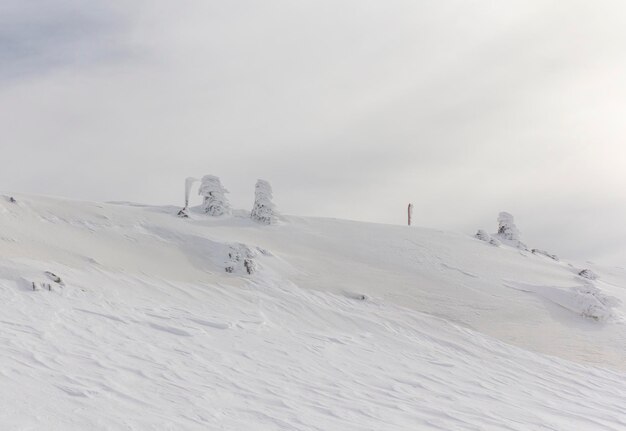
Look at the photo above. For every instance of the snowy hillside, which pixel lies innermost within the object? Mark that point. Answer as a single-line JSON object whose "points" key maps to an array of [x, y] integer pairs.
{"points": [[123, 316]]}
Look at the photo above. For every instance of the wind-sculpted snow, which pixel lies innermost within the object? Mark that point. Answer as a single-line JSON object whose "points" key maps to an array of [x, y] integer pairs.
{"points": [[453, 276], [586, 300], [113, 351], [339, 326]]}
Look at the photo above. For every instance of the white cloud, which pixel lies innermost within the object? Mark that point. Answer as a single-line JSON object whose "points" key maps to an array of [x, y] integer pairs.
{"points": [[464, 108]]}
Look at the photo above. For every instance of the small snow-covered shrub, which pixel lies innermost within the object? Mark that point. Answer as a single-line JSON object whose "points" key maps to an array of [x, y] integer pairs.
{"points": [[249, 265], [508, 232], [545, 253], [594, 303], [241, 258], [263, 209], [215, 202], [484, 236], [52, 276], [588, 274]]}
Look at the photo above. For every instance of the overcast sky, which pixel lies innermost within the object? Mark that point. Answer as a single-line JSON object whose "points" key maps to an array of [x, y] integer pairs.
{"points": [[350, 109]]}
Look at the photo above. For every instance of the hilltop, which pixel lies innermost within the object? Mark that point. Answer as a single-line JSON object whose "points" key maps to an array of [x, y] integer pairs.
{"points": [[121, 315]]}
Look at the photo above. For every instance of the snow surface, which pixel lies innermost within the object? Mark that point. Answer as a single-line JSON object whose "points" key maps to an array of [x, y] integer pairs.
{"points": [[341, 326]]}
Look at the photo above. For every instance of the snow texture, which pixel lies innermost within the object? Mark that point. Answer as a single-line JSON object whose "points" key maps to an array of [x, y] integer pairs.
{"points": [[342, 326], [215, 202], [263, 209]]}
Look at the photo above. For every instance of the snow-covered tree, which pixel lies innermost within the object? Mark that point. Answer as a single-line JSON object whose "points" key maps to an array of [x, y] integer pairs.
{"points": [[215, 202], [508, 232], [506, 227], [263, 209]]}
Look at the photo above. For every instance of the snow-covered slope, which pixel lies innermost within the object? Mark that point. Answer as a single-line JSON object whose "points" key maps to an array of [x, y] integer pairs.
{"points": [[157, 324]]}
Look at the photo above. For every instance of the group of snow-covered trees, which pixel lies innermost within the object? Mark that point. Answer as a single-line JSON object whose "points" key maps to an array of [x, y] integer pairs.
{"points": [[215, 203]]}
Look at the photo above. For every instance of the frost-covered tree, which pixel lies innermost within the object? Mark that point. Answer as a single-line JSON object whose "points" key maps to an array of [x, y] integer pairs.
{"points": [[215, 202], [263, 209], [506, 227], [508, 232]]}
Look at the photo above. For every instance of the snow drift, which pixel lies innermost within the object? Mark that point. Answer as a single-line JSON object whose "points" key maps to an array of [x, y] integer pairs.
{"points": [[337, 325]]}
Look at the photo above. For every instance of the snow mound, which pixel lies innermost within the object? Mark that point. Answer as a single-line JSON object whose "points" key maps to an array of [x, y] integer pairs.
{"points": [[587, 300], [137, 352]]}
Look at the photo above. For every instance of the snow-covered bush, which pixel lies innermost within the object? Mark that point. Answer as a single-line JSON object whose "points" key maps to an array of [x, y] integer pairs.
{"points": [[52, 276], [508, 232], [241, 258], [484, 236], [215, 202], [263, 209], [588, 274], [545, 253]]}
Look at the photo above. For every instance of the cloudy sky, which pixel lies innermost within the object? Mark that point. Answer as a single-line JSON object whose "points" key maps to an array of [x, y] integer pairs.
{"points": [[350, 108]]}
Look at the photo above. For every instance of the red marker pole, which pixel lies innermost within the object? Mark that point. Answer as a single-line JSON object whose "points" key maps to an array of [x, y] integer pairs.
{"points": [[410, 212]]}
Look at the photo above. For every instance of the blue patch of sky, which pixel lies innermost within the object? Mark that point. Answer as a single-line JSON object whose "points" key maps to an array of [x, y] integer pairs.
{"points": [[38, 37]]}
